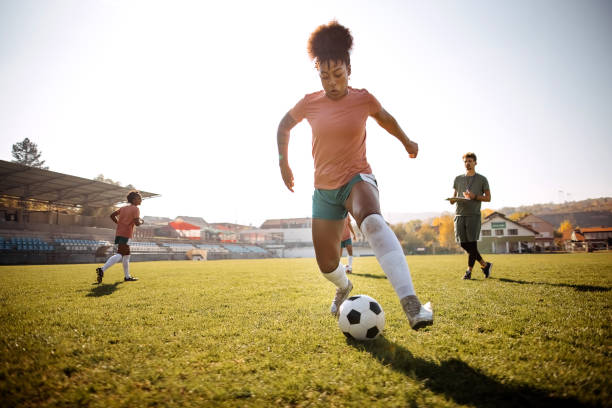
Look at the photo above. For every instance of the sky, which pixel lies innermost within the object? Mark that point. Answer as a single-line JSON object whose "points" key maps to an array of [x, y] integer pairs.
{"points": [[183, 98]]}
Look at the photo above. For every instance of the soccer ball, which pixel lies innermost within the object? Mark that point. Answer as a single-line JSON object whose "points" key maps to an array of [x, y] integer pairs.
{"points": [[361, 318]]}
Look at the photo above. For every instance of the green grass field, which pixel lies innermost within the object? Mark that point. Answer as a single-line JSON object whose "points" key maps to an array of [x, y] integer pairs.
{"points": [[259, 333]]}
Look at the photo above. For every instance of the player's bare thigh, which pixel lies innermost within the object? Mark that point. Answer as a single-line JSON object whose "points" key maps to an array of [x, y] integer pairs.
{"points": [[362, 201], [326, 237]]}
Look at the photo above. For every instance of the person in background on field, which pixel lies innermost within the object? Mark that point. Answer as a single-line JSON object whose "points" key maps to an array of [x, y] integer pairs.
{"points": [[348, 243], [343, 179], [475, 188], [126, 218]]}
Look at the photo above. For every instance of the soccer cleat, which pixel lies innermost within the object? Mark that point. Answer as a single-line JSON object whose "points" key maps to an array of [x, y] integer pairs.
{"points": [[348, 269], [468, 275], [418, 315], [130, 279], [341, 295], [487, 269], [99, 275]]}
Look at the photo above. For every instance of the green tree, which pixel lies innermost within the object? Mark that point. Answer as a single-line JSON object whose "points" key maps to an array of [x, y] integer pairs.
{"points": [[26, 152]]}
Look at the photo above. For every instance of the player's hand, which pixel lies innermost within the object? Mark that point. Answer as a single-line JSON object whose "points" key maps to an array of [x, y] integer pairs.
{"points": [[412, 148], [470, 195], [453, 200], [287, 175]]}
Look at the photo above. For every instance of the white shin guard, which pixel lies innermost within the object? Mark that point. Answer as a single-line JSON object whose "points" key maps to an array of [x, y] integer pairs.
{"points": [[389, 254]]}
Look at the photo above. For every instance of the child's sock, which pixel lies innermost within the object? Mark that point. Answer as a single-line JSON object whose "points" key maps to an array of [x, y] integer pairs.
{"points": [[111, 261]]}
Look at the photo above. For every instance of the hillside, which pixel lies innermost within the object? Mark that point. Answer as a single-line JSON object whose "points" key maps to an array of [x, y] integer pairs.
{"points": [[595, 212], [603, 204]]}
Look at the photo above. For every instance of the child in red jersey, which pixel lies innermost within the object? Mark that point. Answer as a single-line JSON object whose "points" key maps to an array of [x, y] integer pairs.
{"points": [[126, 218]]}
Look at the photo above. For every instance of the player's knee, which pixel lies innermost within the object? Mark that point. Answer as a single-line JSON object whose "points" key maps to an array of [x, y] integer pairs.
{"points": [[328, 265], [370, 227]]}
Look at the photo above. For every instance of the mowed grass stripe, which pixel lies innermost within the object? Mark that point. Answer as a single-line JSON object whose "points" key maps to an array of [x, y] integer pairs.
{"points": [[259, 333]]}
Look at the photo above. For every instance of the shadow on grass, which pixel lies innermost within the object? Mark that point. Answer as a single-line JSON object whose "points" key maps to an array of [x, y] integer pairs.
{"points": [[458, 381], [367, 275], [578, 288], [103, 289]]}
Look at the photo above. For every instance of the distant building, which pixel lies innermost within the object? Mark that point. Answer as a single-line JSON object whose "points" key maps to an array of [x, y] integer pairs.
{"points": [[589, 239], [186, 230], [292, 230], [501, 235], [545, 239]]}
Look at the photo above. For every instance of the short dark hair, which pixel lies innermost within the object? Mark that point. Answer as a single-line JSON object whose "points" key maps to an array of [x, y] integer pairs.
{"points": [[469, 155], [331, 42], [132, 195]]}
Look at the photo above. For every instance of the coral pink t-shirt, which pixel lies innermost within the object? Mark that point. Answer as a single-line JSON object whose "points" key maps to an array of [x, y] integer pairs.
{"points": [[338, 134], [125, 221], [346, 234]]}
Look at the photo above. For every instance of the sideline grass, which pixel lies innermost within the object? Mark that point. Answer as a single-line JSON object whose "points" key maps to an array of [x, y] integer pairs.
{"points": [[258, 333]]}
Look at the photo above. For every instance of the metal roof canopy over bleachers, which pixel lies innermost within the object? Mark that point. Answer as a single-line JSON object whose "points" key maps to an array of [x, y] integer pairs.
{"points": [[31, 183]]}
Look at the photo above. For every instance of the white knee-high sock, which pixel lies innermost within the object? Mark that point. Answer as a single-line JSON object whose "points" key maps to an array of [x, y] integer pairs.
{"points": [[350, 261], [111, 261], [389, 254], [338, 277], [126, 266]]}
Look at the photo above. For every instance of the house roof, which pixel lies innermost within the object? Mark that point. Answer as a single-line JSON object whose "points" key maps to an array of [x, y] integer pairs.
{"points": [[34, 184], [498, 214], [177, 225], [596, 229]]}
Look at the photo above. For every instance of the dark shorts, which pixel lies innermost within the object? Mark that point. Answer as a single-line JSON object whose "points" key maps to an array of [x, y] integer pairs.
{"points": [[122, 245], [467, 228], [346, 243], [121, 240], [329, 204]]}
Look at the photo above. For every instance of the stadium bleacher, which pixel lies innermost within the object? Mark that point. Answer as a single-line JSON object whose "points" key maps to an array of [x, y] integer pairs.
{"points": [[25, 244], [213, 248], [69, 244], [178, 247], [151, 247]]}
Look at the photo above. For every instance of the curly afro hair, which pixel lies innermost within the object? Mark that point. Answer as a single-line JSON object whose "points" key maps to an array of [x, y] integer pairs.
{"points": [[132, 195], [331, 42]]}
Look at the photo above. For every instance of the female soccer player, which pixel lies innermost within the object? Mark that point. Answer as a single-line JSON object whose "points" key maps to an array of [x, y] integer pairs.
{"points": [[125, 218], [343, 178]]}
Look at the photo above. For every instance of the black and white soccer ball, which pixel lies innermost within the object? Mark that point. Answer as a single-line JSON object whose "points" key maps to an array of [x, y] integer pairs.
{"points": [[361, 318]]}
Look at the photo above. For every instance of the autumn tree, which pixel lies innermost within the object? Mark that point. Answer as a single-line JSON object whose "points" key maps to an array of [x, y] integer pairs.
{"points": [[446, 231], [518, 215], [26, 152], [485, 213], [565, 226]]}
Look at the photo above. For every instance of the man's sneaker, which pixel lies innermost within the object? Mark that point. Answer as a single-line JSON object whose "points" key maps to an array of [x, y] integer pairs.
{"points": [[468, 275], [341, 295], [348, 269], [99, 275], [487, 269], [130, 279], [418, 315]]}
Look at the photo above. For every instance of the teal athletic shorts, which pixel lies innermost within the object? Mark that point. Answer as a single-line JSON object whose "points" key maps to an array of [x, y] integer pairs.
{"points": [[329, 204], [467, 228], [346, 243], [121, 240]]}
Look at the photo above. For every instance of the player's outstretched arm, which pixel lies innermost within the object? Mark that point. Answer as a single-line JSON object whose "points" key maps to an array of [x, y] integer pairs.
{"points": [[388, 122], [282, 139]]}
